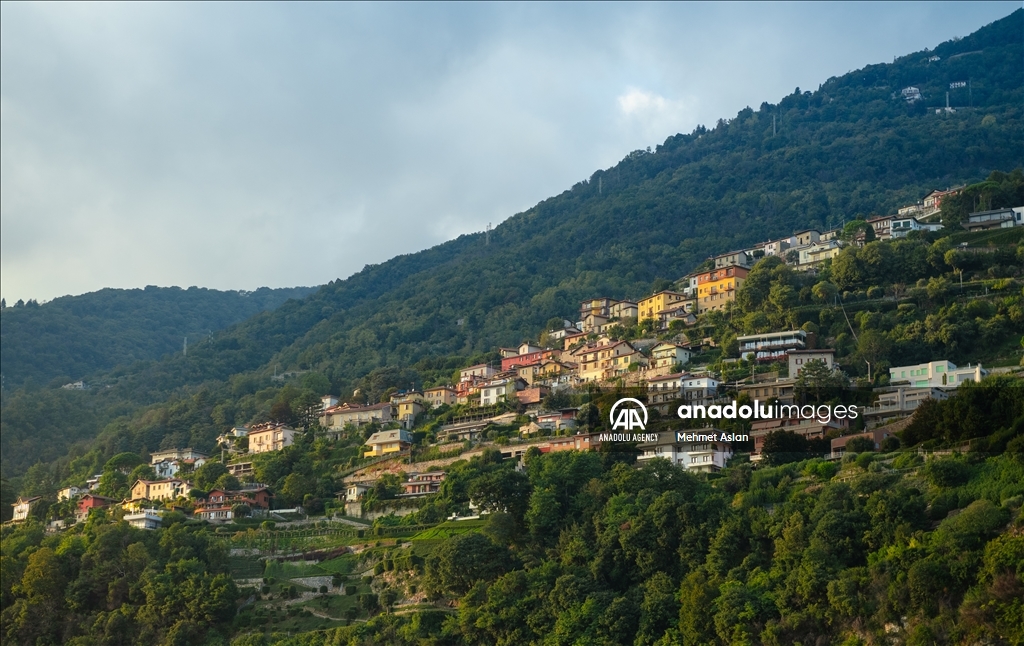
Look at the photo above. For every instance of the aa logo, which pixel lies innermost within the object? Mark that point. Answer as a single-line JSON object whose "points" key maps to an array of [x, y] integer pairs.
{"points": [[628, 418]]}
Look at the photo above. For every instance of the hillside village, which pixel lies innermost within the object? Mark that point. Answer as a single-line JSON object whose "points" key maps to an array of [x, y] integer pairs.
{"points": [[533, 397]]}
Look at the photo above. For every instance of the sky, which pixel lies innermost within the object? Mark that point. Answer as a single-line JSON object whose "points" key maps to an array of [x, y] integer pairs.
{"points": [[233, 146]]}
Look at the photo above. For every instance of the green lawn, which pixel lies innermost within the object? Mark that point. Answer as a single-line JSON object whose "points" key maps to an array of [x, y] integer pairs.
{"points": [[288, 570], [448, 530]]}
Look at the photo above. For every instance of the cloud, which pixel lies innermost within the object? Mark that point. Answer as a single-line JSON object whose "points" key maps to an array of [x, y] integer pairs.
{"points": [[234, 146]]}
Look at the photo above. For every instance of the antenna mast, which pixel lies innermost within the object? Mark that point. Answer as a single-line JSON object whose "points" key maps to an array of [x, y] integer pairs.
{"points": [[487, 235], [184, 350]]}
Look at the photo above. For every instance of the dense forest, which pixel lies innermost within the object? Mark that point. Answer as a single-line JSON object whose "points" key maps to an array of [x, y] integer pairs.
{"points": [[577, 548], [73, 337]]}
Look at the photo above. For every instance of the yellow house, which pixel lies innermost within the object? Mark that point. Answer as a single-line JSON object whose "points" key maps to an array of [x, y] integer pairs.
{"points": [[385, 442], [408, 408], [440, 395], [160, 489], [648, 308], [717, 287]]}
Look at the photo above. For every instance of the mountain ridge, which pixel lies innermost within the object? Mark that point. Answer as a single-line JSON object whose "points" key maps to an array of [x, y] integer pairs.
{"points": [[853, 147]]}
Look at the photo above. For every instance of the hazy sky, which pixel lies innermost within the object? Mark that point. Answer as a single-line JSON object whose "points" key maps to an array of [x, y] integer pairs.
{"points": [[234, 146]]}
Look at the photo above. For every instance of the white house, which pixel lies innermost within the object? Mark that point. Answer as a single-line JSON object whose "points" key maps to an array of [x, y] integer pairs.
{"points": [[697, 450], [799, 358], [144, 519], [939, 374], [67, 493], [22, 506], [698, 389]]}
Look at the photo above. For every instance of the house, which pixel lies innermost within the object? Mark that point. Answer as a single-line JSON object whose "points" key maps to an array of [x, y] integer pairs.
{"points": [[815, 254], [165, 469], [608, 308], [532, 395], [219, 503], [561, 420], [479, 371], [434, 397], [606, 360], [882, 225], [666, 355], [355, 491], [558, 335], [933, 201], [530, 429], [270, 436], [899, 402], [685, 313], [937, 374], [571, 340], [717, 287], [144, 519], [594, 323], [808, 237], [772, 346], [901, 226], [327, 401], [995, 219], [22, 507], [648, 308], [240, 469], [799, 358], [169, 489], [534, 356], [780, 390], [697, 450], [407, 408], [500, 389], [664, 389], [93, 482], [229, 440], [386, 442], [700, 389], [733, 258], [177, 454], [422, 484], [911, 94], [67, 493], [338, 417], [471, 429], [88, 502], [777, 247]]}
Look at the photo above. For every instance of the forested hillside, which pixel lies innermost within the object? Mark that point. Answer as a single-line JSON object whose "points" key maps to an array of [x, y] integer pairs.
{"points": [[852, 147], [73, 337]]}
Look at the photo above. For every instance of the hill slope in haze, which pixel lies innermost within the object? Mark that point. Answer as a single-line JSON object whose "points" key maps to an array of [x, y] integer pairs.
{"points": [[73, 337], [852, 147]]}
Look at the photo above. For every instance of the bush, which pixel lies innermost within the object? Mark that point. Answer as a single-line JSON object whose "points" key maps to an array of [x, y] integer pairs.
{"points": [[946, 472], [864, 460], [906, 461], [350, 590]]}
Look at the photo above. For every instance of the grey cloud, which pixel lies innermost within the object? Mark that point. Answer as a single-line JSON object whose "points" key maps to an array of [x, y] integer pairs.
{"points": [[234, 146]]}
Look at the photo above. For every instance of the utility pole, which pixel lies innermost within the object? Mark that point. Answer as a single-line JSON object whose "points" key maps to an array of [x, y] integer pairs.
{"points": [[773, 125], [599, 184], [870, 380]]}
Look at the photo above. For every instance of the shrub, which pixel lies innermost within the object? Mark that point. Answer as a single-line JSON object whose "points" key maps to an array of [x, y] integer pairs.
{"points": [[946, 472]]}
